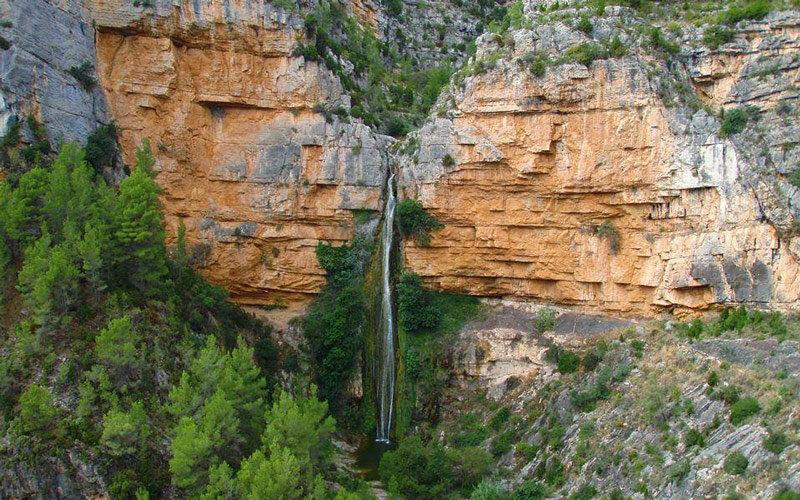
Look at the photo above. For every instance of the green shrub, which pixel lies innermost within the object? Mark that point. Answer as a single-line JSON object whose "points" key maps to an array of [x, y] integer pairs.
{"points": [[678, 470], [422, 472], [607, 230], [616, 48], [693, 437], [586, 53], [448, 161], [83, 75], [736, 463], [101, 147], [659, 42], [794, 178], [500, 417], [545, 319], [529, 490], [729, 394], [415, 222], [584, 492], [568, 362], [591, 360], [585, 25], [744, 409], [488, 490], [735, 120], [714, 36], [415, 309], [786, 495], [776, 442], [503, 443], [753, 10], [713, 379]]}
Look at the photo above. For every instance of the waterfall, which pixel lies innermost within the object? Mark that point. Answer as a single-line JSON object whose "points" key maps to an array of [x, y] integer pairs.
{"points": [[385, 385]]}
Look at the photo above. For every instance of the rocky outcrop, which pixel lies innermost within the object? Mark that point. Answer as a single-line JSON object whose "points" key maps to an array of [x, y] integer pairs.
{"points": [[47, 38], [247, 161], [582, 186]]}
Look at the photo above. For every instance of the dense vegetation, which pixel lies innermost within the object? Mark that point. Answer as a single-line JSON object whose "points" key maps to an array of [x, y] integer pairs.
{"points": [[119, 351], [415, 222], [332, 326]]}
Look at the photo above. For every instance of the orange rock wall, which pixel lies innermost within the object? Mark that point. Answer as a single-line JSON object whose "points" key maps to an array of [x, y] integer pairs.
{"points": [[256, 175], [542, 162]]}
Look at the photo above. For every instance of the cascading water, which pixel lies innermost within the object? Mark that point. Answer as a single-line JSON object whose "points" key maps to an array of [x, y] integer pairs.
{"points": [[385, 385]]}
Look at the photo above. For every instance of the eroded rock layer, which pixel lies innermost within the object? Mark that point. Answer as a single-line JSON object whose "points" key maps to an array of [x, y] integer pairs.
{"points": [[255, 174], [581, 186]]}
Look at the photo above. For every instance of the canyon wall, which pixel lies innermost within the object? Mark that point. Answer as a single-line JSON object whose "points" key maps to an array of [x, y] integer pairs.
{"points": [[246, 160], [605, 185], [586, 186]]}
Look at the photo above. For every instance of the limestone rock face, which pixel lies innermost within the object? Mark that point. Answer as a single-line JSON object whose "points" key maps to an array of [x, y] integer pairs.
{"points": [[581, 186], [255, 174], [47, 38]]}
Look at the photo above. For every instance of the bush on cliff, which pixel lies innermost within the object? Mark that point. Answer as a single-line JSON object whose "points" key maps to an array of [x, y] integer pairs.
{"points": [[414, 304], [415, 222]]}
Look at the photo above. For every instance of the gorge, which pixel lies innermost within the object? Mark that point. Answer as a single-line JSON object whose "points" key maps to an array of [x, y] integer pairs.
{"points": [[617, 181]]}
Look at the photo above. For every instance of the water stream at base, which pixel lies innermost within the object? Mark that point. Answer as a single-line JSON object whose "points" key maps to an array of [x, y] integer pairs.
{"points": [[386, 369]]}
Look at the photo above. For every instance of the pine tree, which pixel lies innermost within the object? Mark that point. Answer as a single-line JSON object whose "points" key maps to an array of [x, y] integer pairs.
{"points": [[278, 475], [139, 228], [116, 348], [191, 457], [36, 411], [221, 484], [241, 380], [124, 432], [301, 425], [48, 280], [24, 210], [220, 423]]}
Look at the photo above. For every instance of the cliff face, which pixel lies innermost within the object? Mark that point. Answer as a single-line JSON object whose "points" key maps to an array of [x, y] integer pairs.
{"points": [[551, 174], [256, 175], [583, 186], [47, 38]]}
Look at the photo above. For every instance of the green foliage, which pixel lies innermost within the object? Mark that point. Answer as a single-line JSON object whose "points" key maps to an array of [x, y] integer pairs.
{"points": [[661, 43], [448, 161], [83, 75], [545, 319], [140, 227], [776, 442], [529, 490], [415, 222], [743, 410], [757, 9], [794, 178], [714, 36], [693, 437], [500, 417], [735, 120], [415, 308], [419, 471], [736, 463], [608, 231], [101, 147], [36, 413], [584, 492], [679, 470], [786, 495], [488, 490], [125, 432], [585, 25], [333, 323], [568, 362], [385, 85], [586, 53]]}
